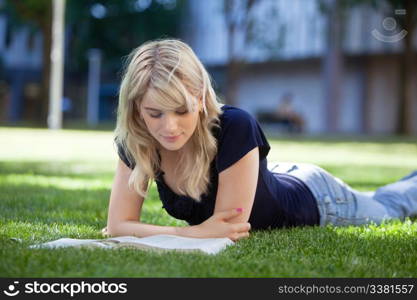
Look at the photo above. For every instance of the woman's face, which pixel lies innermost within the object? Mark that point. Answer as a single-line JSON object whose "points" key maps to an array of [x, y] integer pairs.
{"points": [[172, 129]]}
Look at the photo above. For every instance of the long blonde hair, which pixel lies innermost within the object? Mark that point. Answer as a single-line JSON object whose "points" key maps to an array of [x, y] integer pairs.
{"points": [[171, 69]]}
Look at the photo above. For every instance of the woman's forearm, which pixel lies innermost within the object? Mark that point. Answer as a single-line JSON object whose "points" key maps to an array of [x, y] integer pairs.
{"points": [[214, 227], [135, 228]]}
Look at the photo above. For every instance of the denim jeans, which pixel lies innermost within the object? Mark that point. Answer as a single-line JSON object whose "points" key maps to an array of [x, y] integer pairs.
{"points": [[339, 204]]}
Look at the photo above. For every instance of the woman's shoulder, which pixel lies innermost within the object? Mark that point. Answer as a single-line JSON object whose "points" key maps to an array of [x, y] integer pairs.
{"points": [[236, 122], [232, 114], [240, 133], [231, 119], [229, 110]]}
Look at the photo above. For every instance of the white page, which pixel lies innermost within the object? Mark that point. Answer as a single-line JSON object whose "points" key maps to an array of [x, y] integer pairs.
{"points": [[64, 242], [207, 245]]}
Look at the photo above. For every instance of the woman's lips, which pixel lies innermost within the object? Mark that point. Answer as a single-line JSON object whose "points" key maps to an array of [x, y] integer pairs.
{"points": [[171, 138]]}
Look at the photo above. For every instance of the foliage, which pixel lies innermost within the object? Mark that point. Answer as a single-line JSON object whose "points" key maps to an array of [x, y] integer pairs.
{"points": [[117, 27], [28, 12]]}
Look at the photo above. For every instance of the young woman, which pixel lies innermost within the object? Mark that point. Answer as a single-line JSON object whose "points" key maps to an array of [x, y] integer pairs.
{"points": [[209, 161]]}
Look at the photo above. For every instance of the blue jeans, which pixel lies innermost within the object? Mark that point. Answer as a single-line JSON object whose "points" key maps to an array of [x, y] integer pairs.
{"points": [[339, 204]]}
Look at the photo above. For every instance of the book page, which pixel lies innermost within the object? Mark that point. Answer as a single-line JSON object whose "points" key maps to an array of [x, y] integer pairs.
{"points": [[64, 242], [156, 242], [207, 245]]}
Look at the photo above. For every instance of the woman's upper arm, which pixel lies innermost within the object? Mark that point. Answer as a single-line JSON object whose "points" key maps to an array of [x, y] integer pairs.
{"points": [[237, 186], [125, 203]]}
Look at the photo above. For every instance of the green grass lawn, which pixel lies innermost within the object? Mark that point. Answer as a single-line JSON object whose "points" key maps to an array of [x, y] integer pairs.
{"points": [[57, 184]]}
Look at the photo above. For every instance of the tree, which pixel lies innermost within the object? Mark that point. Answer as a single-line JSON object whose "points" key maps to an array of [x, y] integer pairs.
{"points": [[38, 13], [333, 60], [114, 26], [238, 19], [407, 65], [250, 23]]}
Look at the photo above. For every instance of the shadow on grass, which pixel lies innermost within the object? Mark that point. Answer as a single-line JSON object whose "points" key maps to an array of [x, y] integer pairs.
{"points": [[43, 194], [72, 169], [47, 204]]}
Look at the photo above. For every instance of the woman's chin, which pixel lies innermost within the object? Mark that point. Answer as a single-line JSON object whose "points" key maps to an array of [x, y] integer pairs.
{"points": [[176, 146], [172, 146]]}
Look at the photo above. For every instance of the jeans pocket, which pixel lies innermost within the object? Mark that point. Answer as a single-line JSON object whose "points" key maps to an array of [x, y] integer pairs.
{"points": [[342, 211], [327, 209]]}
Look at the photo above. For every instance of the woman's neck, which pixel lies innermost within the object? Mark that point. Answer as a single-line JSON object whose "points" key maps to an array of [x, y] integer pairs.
{"points": [[173, 155], [169, 154]]}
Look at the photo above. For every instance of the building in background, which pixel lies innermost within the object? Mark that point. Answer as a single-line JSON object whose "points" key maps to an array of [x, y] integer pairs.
{"points": [[286, 53], [370, 81]]}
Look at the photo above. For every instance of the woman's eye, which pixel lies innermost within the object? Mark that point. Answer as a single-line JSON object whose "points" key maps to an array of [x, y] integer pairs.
{"points": [[178, 112]]}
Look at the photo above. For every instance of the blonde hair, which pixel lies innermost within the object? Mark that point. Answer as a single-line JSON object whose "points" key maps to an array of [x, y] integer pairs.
{"points": [[173, 72]]}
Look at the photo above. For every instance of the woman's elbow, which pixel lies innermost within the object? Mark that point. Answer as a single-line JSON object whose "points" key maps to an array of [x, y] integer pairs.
{"points": [[111, 230]]}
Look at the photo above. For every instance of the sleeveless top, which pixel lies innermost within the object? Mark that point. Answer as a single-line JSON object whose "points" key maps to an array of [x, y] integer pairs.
{"points": [[281, 200]]}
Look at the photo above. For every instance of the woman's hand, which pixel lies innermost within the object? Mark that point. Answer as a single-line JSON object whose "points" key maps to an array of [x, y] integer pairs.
{"points": [[217, 226]]}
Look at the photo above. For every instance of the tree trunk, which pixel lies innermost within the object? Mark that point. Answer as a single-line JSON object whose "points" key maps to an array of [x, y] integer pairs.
{"points": [[233, 75], [232, 68], [407, 68], [235, 63], [333, 68], [42, 18], [46, 68]]}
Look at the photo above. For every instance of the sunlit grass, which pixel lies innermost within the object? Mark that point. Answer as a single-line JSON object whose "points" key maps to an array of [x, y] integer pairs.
{"points": [[352, 153], [57, 184], [63, 183]]}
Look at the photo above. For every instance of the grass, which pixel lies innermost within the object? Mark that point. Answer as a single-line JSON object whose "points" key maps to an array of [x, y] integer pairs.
{"points": [[57, 184]]}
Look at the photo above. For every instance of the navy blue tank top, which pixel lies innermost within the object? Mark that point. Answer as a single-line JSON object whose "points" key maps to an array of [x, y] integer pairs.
{"points": [[281, 200]]}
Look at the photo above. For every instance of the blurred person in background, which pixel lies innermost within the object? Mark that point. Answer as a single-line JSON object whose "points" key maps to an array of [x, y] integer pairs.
{"points": [[286, 114]]}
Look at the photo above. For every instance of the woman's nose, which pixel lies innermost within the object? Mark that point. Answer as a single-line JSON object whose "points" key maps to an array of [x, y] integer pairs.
{"points": [[170, 124]]}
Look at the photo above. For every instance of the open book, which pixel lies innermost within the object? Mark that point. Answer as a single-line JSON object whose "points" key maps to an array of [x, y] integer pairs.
{"points": [[160, 242]]}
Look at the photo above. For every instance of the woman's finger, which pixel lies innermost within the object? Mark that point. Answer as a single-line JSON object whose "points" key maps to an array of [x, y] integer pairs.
{"points": [[244, 227], [241, 235]]}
